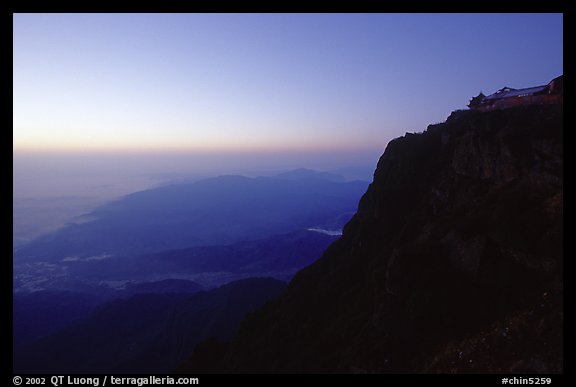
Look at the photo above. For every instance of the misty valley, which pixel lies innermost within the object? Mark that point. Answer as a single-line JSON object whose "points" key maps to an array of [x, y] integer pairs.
{"points": [[136, 283]]}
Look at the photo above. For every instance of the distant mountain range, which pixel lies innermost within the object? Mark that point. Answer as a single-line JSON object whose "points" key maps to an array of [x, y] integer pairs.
{"points": [[114, 277], [218, 211], [303, 173], [279, 256], [212, 231]]}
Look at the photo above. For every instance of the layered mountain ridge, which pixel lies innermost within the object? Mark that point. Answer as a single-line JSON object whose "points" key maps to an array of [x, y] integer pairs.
{"points": [[186, 215]]}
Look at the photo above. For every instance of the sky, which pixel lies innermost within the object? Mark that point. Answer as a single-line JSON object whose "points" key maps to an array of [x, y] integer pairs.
{"points": [[108, 104], [268, 83]]}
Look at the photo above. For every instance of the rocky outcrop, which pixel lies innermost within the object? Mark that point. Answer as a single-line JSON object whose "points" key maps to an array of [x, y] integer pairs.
{"points": [[452, 263]]}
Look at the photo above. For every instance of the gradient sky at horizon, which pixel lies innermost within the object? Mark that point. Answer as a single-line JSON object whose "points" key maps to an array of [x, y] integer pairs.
{"points": [[262, 82]]}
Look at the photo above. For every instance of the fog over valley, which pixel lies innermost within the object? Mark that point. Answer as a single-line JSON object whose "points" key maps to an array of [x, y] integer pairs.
{"points": [[52, 189], [90, 230]]}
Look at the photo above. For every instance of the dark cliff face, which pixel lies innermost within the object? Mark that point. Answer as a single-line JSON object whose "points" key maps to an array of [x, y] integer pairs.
{"points": [[453, 262]]}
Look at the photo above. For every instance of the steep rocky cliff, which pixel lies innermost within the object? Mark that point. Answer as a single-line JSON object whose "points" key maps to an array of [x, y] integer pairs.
{"points": [[453, 262]]}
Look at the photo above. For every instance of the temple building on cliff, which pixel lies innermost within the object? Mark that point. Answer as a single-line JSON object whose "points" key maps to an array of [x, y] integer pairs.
{"points": [[552, 93]]}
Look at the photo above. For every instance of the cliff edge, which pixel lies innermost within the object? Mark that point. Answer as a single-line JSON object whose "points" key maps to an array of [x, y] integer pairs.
{"points": [[452, 263]]}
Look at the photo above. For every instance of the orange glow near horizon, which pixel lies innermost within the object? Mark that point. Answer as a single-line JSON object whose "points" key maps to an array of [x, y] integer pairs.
{"points": [[246, 146], [162, 83]]}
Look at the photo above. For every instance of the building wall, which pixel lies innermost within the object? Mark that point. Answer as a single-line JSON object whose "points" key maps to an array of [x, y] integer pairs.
{"points": [[505, 103]]}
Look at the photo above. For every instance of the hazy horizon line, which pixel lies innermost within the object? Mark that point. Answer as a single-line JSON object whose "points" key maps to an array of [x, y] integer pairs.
{"points": [[199, 151]]}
